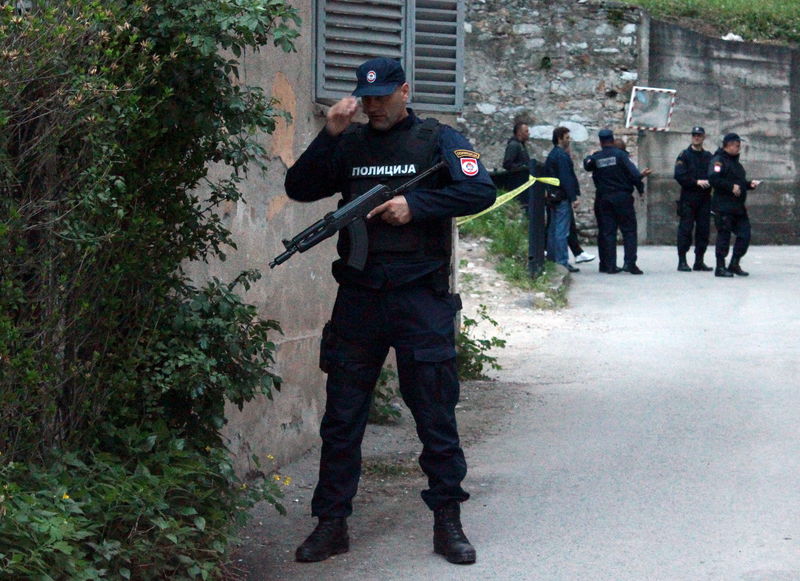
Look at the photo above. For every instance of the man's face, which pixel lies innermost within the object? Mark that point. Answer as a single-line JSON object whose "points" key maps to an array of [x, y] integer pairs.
{"points": [[697, 140], [732, 147], [523, 133], [564, 141], [386, 111]]}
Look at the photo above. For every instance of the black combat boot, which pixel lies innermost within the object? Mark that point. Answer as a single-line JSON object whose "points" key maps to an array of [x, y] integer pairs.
{"points": [[736, 269], [632, 268], [329, 538], [721, 270], [700, 265], [683, 266], [448, 536]]}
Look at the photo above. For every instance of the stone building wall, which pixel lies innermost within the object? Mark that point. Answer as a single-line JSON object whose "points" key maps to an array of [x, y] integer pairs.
{"points": [[550, 63]]}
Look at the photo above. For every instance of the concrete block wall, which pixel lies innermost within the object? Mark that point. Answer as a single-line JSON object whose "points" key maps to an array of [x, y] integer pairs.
{"points": [[750, 89]]}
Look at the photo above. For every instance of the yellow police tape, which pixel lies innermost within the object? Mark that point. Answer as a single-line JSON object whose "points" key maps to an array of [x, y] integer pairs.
{"points": [[507, 197]]}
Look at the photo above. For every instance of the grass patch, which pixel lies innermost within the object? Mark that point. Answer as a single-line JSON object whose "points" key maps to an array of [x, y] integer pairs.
{"points": [[506, 229], [388, 468], [773, 20]]}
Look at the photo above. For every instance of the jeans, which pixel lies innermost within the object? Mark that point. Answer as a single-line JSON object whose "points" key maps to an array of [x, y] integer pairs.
{"points": [[558, 232]]}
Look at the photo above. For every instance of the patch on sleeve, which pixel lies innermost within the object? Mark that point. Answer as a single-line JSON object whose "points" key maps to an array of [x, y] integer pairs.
{"points": [[679, 161], [717, 166], [469, 165], [462, 153]]}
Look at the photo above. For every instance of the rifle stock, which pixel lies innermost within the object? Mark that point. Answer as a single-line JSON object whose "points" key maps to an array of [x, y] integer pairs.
{"points": [[351, 216]]}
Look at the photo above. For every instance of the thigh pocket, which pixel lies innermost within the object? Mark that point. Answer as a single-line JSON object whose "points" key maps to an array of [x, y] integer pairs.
{"points": [[347, 362], [723, 222], [436, 372]]}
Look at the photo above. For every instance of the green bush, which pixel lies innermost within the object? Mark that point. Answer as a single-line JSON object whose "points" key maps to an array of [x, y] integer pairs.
{"points": [[472, 352], [110, 359], [162, 513], [506, 230], [383, 408]]}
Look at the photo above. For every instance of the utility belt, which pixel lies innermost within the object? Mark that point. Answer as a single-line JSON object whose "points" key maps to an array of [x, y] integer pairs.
{"points": [[395, 275]]}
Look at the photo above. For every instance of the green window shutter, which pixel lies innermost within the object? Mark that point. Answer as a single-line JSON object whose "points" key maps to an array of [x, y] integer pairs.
{"points": [[427, 36], [438, 50], [350, 32]]}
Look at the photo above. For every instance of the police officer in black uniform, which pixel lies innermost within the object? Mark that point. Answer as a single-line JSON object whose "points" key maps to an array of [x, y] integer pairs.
{"points": [[615, 177], [400, 299], [730, 183], [694, 206]]}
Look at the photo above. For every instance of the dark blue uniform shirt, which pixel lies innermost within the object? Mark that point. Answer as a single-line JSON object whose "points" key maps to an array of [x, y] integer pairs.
{"points": [[724, 172], [318, 174], [613, 171], [692, 165]]}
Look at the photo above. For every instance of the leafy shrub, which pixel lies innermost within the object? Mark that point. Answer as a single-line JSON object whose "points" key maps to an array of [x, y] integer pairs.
{"points": [[383, 409], [114, 368], [471, 352], [164, 512]]}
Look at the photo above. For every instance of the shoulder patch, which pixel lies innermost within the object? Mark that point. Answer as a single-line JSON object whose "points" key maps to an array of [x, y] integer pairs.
{"points": [[717, 166], [462, 153], [469, 165], [680, 161]]}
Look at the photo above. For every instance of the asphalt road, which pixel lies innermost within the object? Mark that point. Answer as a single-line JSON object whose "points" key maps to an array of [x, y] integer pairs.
{"points": [[658, 439]]}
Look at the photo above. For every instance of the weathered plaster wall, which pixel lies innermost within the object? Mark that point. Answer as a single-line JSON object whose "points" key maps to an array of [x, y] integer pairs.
{"points": [[298, 294], [751, 89]]}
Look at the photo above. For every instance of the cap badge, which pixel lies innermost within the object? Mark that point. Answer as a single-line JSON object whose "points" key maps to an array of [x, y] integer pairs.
{"points": [[371, 76]]}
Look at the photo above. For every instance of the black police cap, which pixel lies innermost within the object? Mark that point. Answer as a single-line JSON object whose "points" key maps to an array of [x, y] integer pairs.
{"points": [[378, 77], [731, 137]]}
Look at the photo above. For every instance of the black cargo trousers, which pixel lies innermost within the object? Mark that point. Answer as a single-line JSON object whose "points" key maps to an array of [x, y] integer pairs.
{"points": [[694, 212], [419, 323]]}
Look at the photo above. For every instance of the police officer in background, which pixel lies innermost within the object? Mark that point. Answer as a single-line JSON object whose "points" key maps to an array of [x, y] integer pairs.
{"points": [[694, 206], [401, 299], [615, 177], [730, 183]]}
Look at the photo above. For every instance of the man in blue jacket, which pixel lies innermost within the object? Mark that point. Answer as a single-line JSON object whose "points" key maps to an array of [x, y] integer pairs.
{"points": [[559, 165], [615, 177], [400, 299]]}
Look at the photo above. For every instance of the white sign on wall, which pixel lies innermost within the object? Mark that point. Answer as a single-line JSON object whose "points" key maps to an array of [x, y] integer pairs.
{"points": [[651, 108]]}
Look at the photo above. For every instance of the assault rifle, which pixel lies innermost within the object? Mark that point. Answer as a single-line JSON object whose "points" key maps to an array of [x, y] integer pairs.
{"points": [[353, 217]]}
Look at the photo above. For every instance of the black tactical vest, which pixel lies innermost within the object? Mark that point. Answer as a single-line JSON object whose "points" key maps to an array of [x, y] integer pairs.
{"points": [[392, 158]]}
